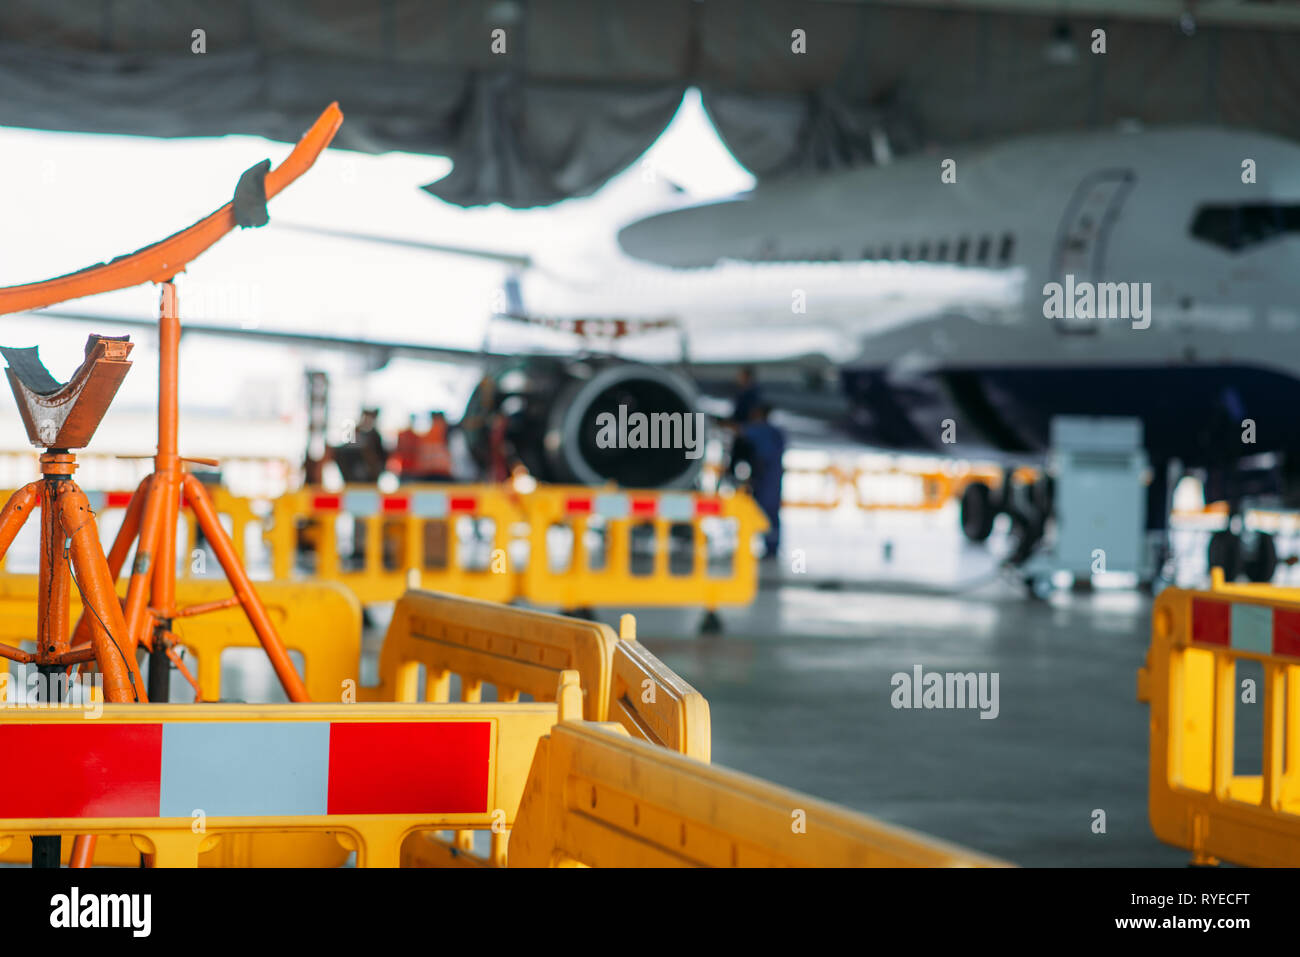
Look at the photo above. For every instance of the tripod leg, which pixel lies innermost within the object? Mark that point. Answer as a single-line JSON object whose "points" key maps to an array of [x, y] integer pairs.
{"points": [[206, 514], [83, 846], [113, 649], [117, 555], [162, 597], [83, 850], [16, 511], [138, 591]]}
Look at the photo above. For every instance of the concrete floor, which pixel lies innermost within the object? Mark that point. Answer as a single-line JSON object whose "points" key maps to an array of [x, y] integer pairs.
{"points": [[799, 689]]}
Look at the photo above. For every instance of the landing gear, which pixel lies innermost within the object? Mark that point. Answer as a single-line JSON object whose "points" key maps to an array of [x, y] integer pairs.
{"points": [[1028, 505], [1225, 552], [1228, 551], [711, 624], [1262, 562], [1039, 587], [977, 512]]}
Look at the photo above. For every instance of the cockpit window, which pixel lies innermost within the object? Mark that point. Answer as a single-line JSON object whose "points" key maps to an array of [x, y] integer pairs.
{"points": [[1239, 227]]}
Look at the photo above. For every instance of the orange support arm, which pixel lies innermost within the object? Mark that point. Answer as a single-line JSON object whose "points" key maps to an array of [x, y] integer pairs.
{"points": [[164, 259]]}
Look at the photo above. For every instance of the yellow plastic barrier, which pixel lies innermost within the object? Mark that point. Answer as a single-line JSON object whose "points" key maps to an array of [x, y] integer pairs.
{"points": [[820, 488], [177, 779], [308, 784], [517, 651], [601, 576], [598, 798], [321, 621], [410, 538], [1197, 798], [652, 703], [241, 516], [238, 512], [893, 489], [459, 538]]}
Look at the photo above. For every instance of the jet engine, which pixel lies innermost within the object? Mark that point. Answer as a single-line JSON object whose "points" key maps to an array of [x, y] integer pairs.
{"points": [[556, 410]]}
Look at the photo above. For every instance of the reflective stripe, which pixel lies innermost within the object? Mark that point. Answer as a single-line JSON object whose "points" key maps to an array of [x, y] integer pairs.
{"points": [[85, 770], [116, 499], [1286, 632], [1257, 629], [708, 506], [1211, 622], [395, 504], [245, 768], [612, 505], [643, 507], [361, 502], [1252, 628], [409, 768], [676, 508], [429, 504], [249, 769], [326, 503]]}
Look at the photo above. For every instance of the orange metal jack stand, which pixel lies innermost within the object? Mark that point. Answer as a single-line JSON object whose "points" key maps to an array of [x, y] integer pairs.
{"points": [[70, 543], [150, 605], [112, 631]]}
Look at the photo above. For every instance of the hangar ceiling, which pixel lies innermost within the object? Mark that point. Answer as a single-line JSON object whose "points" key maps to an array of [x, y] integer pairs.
{"points": [[583, 87]]}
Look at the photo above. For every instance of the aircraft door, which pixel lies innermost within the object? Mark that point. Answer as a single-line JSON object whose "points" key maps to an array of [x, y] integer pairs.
{"points": [[1080, 248]]}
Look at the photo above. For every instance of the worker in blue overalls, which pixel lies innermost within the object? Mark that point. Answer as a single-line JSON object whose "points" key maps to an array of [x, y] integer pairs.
{"points": [[764, 446]]}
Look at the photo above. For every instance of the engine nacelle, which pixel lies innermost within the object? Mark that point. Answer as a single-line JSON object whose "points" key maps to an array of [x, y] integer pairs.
{"points": [[555, 406]]}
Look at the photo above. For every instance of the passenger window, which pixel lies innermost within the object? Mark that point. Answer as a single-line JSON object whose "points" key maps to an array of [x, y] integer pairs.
{"points": [[982, 256], [941, 253], [923, 253], [905, 252], [963, 247], [1008, 247]]}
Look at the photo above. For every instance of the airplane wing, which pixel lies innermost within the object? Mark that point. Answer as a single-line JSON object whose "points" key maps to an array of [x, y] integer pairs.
{"points": [[793, 371], [378, 349]]}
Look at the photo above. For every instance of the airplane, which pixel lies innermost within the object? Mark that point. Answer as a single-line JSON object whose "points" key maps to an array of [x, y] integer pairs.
{"points": [[1143, 273], [1204, 221]]}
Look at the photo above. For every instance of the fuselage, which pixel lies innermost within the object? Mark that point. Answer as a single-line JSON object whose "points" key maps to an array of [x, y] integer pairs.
{"points": [[1149, 273]]}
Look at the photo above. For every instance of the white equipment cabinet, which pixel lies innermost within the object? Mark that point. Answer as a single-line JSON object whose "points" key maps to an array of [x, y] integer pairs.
{"points": [[1100, 471]]}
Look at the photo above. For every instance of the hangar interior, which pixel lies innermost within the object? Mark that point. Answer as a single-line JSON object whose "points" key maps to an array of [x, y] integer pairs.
{"points": [[919, 375]]}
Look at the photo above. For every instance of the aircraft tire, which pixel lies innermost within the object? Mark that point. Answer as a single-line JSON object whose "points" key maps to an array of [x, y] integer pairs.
{"points": [[977, 512], [1262, 563], [1225, 552]]}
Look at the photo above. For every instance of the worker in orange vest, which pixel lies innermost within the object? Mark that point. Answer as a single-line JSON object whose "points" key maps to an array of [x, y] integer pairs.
{"points": [[432, 454], [403, 460]]}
